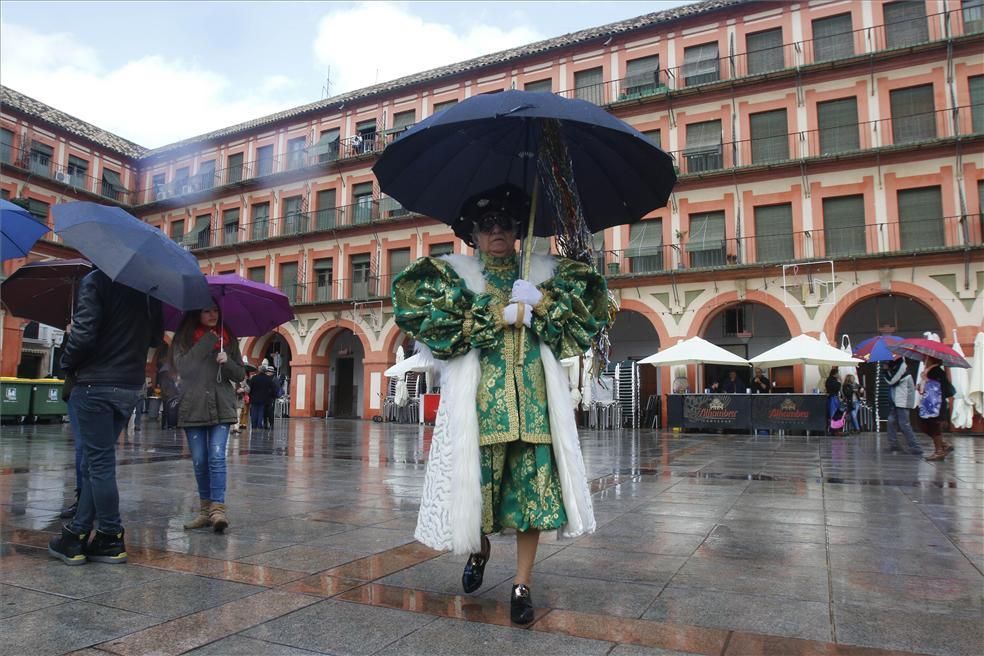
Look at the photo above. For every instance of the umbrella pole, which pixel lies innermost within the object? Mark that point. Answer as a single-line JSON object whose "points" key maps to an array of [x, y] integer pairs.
{"points": [[528, 260]]}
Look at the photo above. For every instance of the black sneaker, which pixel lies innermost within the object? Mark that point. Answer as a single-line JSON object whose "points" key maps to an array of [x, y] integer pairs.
{"points": [[107, 548], [521, 605], [70, 547]]}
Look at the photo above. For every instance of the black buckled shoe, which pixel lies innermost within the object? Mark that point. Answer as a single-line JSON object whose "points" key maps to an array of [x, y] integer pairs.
{"points": [[471, 578], [521, 605]]}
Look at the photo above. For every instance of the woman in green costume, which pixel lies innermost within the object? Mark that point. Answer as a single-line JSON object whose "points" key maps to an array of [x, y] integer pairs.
{"points": [[505, 453]]}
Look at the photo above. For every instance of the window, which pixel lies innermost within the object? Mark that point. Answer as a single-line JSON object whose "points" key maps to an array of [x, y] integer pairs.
{"points": [[700, 64], [441, 106], [157, 184], [912, 114], [399, 259], [367, 134], [201, 236], [206, 174], [177, 230], [769, 136], [364, 206], [905, 23], [921, 218], [765, 51], [293, 221], [6, 146], [289, 283], [256, 274], [545, 86], [264, 160], [326, 215], [437, 250], [38, 209], [641, 77], [295, 152], [403, 120], [654, 137], [259, 227], [41, 158], [973, 16], [645, 246], [112, 186], [833, 38], [598, 246], [843, 225], [589, 85], [361, 276], [736, 321], [774, 233], [976, 85], [705, 241], [78, 170], [182, 174], [838, 121], [234, 168], [230, 226], [326, 150], [322, 279], [704, 152]]}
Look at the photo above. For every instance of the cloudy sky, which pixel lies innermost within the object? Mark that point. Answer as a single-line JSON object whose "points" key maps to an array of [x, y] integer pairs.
{"points": [[158, 72]]}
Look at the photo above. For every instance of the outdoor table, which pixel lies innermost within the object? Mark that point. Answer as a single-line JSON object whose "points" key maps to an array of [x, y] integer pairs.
{"points": [[785, 412]]}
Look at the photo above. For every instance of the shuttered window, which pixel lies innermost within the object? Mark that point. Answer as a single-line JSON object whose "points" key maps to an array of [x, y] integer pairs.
{"points": [[641, 77], [704, 148], [323, 271], [539, 85], [436, 250], [921, 218], [589, 85], [288, 281], [230, 226], [206, 174], [441, 106], [832, 38], [905, 23], [202, 234], [913, 118], [112, 186], [41, 154], [256, 274], [843, 225], [326, 215], [973, 16], [361, 276], [764, 51], [177, 230], [234, 166], [705, 239], [838, 121], [700, 64], [399, 259], [363, 210], [646, 246], [976, 85], [403, 120], [769, 136], [6, 146], [264, 160], [774, 233], [260, 225]]}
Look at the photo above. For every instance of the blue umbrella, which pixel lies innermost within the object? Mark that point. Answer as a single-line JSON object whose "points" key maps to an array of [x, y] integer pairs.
{"points": [[133, 253], [20, 230], [494, 139], [875, 349]]}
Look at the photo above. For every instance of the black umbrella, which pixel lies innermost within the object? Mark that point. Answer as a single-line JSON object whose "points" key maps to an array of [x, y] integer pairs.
{"points": [[494, 139], [133, 253], [44, 291]]}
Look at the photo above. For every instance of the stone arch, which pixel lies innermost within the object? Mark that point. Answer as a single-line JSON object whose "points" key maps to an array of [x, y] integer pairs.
{"points": [[913, 292], [647, 311], [331, 330], [254, 346], [720, 302]]}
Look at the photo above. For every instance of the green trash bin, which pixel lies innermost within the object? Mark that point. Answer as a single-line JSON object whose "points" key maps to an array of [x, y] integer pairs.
{"points": [[46, 400], [15, 398]]}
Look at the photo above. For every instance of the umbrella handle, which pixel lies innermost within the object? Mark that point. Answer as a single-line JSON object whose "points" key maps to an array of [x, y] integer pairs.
{"points": [[527, 261]]}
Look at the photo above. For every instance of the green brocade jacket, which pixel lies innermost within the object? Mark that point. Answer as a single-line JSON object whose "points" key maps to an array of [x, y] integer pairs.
{"points": [[433, 305]]}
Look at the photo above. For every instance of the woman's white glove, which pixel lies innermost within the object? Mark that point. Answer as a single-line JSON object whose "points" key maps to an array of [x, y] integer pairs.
{"points": [[510, 311], [524, 291]]}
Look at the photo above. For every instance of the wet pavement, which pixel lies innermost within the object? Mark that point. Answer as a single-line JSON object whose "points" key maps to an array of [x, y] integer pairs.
{"points": [[706, 544]]}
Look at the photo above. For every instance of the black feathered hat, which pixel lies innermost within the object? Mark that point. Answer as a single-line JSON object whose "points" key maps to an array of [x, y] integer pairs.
{"points": [[507, 198]]}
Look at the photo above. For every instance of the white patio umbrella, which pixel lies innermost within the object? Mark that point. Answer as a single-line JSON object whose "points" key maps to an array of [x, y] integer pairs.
{"points": [[416, 362], [804, 350], [961, 409], [695, 350], [975, 382], [401, 396]]}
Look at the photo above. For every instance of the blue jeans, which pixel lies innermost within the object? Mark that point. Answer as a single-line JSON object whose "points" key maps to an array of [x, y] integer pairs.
{"points": [[73, 422], [256, 414], [208, 457], [102, 412], [899, 417]]}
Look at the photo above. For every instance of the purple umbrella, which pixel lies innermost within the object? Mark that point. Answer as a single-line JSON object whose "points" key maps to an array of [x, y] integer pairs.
{"points": [[249, 309]]}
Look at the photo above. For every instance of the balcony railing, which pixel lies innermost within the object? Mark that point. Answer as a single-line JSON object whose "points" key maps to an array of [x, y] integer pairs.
{"points": [[831, 141], [43, 165], [931, 234]]}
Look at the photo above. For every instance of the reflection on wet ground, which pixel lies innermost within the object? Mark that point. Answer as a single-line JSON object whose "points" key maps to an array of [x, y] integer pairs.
{"points": [[706, 544]]}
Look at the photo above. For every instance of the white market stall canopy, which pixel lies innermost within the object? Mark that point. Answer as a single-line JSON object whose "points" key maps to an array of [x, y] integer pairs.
{"points": [[693, 351], [804, 350], [413, 363]]}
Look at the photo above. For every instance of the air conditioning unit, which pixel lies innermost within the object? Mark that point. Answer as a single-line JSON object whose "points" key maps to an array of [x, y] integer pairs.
{"points": [[63, 177], [187, 189]]}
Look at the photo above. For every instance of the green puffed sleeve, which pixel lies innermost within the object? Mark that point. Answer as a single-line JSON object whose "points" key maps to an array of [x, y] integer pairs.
{"points": [[432, 305], [573, 309]]}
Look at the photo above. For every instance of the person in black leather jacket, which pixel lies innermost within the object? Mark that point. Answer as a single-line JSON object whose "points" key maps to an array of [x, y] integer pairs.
{"points": [[106, 354]]}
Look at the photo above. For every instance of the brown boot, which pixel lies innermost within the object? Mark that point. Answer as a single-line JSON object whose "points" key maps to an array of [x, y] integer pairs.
{"points": [[201, 520], [218, 517], [939, 451]]}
